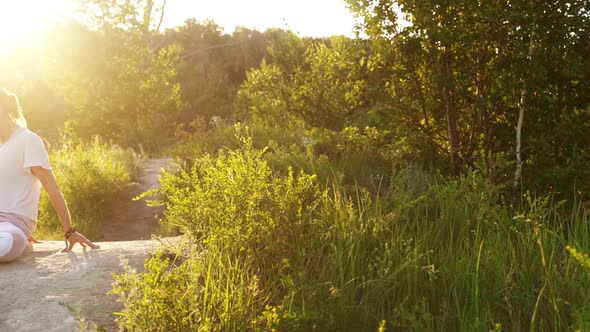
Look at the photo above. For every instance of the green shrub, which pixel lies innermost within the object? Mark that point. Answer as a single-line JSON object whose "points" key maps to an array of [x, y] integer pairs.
{"points": [[251, 224], [235, 203], [351, 157], [273, 250], [90, 176]]}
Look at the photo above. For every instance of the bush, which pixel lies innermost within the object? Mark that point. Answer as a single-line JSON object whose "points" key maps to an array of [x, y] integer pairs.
{"points": [[250, 223], [270, 250], [90, 176], [350, 157]]}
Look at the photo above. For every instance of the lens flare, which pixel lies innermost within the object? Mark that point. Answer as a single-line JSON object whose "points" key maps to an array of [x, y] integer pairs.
{"points": [[23, 21]]}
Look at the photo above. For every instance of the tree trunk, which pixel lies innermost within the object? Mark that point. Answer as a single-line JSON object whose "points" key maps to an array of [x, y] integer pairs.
{"points": [[521, 109], [147, 16], [162, 11], [448, 94], [518, 172], [452, 132]]}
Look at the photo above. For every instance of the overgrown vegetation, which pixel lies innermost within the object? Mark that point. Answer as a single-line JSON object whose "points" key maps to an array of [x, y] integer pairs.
{"points": [[91, 176], [381, 185], [279, 251]]}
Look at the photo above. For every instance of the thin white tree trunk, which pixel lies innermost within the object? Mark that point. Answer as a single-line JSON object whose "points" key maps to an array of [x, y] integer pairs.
{"points": [[521, 109], [518, 172], [162, 11]]}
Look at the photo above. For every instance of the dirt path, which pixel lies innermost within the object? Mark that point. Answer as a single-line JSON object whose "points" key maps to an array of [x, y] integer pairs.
{"points": [[134, 220]]}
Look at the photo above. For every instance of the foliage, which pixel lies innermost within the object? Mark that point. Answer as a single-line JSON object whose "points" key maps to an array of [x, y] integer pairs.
{"points": [[582, 258], [126, 92], [455, 73], [275, 251], [321, 87], [327, 88], [213, 64], [266, 97], [233, 202], [90, 176], [350, 157], [371, 192], [246, 219], [445, 80]]}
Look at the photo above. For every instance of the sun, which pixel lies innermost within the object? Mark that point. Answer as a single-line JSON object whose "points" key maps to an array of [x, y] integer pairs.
{"points": [[22, 21]]}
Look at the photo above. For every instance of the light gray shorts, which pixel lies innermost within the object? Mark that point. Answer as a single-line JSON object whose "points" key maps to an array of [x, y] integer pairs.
{"points": [[23, 223]]}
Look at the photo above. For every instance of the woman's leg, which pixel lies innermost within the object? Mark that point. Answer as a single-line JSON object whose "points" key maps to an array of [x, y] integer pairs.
{"points": [[12, 242]]}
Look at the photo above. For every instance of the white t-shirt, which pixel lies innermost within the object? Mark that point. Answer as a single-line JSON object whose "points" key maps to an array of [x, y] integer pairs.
{"points": [[20, 190]]}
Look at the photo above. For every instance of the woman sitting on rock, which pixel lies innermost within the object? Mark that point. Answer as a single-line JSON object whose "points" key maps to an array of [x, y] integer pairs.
{"points": [[24, 169]]}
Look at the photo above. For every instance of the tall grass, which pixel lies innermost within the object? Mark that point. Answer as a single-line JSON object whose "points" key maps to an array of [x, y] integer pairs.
{"points": [[275, 251], [90, 177], [348, 158]]}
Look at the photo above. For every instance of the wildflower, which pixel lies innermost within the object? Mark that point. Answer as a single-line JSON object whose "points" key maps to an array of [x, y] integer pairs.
{"points": [[334, 292]]}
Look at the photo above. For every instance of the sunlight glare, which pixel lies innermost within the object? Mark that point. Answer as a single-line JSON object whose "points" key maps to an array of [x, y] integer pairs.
{"points": [[21, 21]]}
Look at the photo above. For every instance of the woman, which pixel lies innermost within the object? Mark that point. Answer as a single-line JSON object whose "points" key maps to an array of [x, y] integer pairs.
{"points": [[24, 169]]}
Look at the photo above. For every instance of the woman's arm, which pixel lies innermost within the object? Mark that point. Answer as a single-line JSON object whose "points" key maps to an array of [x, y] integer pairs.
{"points": [[59, 204]]}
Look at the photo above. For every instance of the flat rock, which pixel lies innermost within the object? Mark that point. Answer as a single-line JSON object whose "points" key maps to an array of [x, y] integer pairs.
{"points": [[50, 290]]}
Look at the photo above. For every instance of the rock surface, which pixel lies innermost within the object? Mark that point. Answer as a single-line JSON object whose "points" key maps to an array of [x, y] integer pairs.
{"points": [[37, 288]]}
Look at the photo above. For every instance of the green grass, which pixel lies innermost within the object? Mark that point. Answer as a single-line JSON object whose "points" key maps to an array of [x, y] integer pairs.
{"points": [[274, 250], [90, 177]]}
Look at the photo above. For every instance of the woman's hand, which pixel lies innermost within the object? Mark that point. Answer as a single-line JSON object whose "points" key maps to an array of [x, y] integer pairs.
{"points": [[79, 238]]}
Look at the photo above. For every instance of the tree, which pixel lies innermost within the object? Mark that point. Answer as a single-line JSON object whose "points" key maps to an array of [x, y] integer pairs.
{"points": [[120, 87], [327, 88], [459, 73], [317, 83]]}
